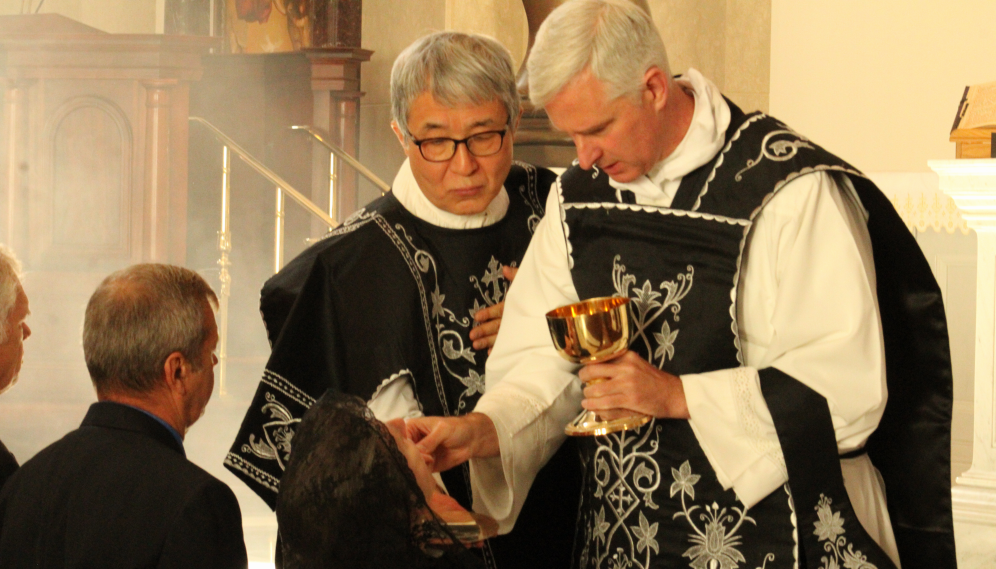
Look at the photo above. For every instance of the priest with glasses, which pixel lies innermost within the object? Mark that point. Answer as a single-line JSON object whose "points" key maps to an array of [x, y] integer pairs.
{"points": [[401, 304]]}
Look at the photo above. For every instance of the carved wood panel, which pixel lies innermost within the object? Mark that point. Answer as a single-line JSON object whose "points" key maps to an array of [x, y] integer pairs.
{"points": [[83, 207]]}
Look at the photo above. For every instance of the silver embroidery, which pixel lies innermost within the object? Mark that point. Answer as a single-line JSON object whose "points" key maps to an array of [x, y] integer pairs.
{"points": [[830, 529], [280, 383], [716, 537], [266, 479], [778, 150], [722, 157], [658, 210], [358, 219], [492, 288], [419, 263], [450, 329], [528, 193], [626, 476], [278, 434], [647, 308]]}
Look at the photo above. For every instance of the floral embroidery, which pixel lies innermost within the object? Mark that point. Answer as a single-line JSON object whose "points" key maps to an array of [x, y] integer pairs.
{"points": [[474, 383], [830, 525], [684, 480], [830, 529], [492, 286], [646, 533], [647, 308], [625, 475], [451, 330], [599, 525], [717, 542]]}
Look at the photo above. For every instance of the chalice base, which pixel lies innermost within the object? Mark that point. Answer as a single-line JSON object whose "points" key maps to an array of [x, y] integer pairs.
{"points": [[588, 424]]}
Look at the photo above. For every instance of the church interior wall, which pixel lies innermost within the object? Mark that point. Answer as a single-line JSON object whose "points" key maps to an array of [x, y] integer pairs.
{"points": [[112, 16], [879, 82]]}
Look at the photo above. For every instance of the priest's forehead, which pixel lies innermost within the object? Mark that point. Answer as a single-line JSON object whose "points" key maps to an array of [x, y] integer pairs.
{"points": [[457, 69]]}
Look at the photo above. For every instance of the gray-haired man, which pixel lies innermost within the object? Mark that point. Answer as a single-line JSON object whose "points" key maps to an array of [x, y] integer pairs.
{"points": [[400, 305], [771, 285], [119, 491], [13, 331]]}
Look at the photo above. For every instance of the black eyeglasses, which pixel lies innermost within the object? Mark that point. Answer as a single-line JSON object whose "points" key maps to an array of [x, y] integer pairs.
{"points": [[480, 145]]}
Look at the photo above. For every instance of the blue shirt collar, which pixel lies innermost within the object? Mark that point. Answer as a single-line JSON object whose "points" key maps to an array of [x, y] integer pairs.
{"points": [[172, 431]]}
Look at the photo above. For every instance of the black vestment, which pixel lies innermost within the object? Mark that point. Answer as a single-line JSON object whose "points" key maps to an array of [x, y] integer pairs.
{"points": [[651, 497], [389, 295]]}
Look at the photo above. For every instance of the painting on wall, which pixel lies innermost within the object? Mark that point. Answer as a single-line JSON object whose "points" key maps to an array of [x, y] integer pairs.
{"points": [[270, 26], [267, 26]]}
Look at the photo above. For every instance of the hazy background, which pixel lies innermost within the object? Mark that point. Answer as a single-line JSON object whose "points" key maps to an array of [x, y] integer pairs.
{"points": [[875, 82]]}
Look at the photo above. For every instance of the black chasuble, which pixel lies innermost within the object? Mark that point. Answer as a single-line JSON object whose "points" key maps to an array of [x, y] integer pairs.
{"points": [[650, 496], [389, 296]]}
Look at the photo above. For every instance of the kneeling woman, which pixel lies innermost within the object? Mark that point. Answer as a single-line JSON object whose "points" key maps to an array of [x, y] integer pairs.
{"points": [[356, 494]]}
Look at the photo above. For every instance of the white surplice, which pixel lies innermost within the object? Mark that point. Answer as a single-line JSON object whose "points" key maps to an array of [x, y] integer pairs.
{"points": [[807, 305]]}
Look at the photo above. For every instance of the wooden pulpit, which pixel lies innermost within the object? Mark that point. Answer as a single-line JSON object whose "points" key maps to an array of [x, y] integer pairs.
{"points": [[94, 143]]}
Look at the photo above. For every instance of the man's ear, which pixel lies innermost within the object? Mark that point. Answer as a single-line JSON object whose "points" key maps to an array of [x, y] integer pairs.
{"points": [[656, 82], [175, 370], [399, 134]]}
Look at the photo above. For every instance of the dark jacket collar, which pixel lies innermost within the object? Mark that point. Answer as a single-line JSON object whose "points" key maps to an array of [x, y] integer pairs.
{"points": [[110, 415]]}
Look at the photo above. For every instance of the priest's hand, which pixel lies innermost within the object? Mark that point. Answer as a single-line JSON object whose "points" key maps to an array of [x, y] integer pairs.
{"points": [[488, 320], [632, 384], [451, 441]]}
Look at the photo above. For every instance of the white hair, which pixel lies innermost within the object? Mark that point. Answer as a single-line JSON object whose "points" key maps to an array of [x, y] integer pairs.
{"points": [[455, 68], [615, 39], [10, 281]]}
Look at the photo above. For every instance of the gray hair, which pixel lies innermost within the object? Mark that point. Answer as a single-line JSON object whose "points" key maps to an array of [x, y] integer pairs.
{"points": [[136, 318], [615, 39], [456, 69], [10, 280]]}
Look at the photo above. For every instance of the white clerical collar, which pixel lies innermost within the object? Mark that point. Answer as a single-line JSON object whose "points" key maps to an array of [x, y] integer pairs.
{"points": [[407, 191], [705, 137]]}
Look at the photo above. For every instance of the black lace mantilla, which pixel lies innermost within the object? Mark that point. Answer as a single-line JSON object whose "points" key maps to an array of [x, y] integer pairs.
{"points": [[349, 499]]}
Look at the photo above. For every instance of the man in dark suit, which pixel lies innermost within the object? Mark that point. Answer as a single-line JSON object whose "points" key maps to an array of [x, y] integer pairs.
{"points": [[118, 491], [13, 331]]}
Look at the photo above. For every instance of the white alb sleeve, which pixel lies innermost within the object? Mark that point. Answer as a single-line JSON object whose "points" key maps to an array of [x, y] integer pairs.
{"points": [[807, 306], [531, 392]]}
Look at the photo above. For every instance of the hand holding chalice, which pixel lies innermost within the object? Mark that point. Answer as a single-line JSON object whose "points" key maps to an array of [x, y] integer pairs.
{"points": [[593, 331]]}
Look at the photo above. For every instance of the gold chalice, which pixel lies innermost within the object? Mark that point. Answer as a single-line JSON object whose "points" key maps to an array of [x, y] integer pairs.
{"points": [[593, 331]]}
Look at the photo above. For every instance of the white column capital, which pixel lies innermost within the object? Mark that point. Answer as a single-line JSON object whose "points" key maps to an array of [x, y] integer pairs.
{"points": [[972, 185]]}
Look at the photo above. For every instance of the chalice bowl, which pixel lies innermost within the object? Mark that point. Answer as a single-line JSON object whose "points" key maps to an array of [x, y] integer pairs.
{"points": [[593, 331]]}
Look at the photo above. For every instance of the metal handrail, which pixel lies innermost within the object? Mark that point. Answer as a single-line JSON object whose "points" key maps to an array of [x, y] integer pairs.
{"points": [[270, 175], [322, 138], [225, 236]]}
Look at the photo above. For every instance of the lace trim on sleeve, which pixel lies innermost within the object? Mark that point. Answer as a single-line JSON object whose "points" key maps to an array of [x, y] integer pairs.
{"points": [[747, 391]]}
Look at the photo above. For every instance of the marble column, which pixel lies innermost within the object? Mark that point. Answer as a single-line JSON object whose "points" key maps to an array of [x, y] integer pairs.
{"points": [[972, 185]]}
